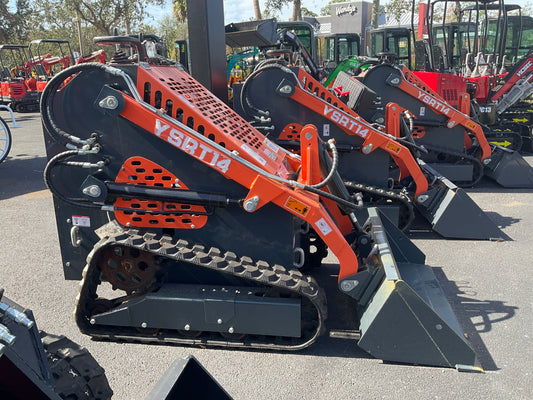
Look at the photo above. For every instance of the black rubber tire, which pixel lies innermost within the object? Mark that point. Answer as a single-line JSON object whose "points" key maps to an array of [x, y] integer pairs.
{"points": [[77, 374]]}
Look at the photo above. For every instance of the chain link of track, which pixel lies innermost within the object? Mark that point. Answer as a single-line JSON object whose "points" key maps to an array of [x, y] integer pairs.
{"points": [[291, 281]]}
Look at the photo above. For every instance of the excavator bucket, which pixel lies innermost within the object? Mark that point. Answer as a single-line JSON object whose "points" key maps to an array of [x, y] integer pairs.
{"points": [[407, 317], [509, 169]]}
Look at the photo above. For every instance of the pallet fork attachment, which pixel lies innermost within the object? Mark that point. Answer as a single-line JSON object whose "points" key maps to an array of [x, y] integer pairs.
{"points": [[158, 161]]}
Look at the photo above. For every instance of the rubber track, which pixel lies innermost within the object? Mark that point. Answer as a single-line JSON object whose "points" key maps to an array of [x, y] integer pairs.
{"points": [[76, 373], [259, 272], [514, 137]]}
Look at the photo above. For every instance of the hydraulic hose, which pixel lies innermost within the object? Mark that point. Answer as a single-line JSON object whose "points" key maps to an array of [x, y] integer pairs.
{"points": [[333, 169], [67, 138], [245, 101], [335, 162], [47, 113], [48, 180]]}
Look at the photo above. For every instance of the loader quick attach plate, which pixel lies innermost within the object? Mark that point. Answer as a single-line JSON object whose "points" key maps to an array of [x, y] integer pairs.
{"points": [[181, 97], [140, 171]]}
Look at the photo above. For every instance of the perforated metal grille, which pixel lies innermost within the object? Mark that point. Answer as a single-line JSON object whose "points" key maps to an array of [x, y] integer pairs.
{"points": [[186, 100], [318, 90], [149, 213], [291, 132], [450, 95]]}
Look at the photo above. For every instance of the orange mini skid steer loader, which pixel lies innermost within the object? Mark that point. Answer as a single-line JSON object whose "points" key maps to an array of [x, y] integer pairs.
{"points": [[187, 225], [456, 144], [374, 160]]}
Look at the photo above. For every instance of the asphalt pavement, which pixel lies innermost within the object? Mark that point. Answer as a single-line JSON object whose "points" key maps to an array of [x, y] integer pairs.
{"points": [[488, 284]]}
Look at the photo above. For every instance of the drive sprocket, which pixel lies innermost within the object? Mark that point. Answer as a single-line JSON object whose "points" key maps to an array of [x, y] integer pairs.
{"points": [[128, 269]]}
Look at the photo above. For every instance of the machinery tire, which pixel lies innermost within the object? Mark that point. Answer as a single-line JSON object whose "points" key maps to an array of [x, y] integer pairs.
{"points": [[76, 373]]}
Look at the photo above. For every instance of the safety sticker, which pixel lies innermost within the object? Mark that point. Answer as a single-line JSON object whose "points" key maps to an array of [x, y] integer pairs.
{"points": [[254, 155], [325, 130], [297, 206], [393, 147], [78, 220], [323, 226], [274, 147], [470, 124]]}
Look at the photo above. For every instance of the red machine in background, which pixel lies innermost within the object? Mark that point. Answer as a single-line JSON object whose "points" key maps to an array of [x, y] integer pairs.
{"points": [[19, 78], [481, 54], [26, 70]]}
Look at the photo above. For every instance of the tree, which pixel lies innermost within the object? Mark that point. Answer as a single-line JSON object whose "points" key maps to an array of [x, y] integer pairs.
{"points": [[278, 5], [105, 15], [5, 21], [297, 10], [179, 10], [21, 24], [257, 10], [15, 26], [57, 19], [167, 29], [527, 9], [375, 14], [327, 9], [308, 13]]}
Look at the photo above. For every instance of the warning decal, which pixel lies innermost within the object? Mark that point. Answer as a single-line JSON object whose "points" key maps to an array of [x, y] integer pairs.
{"points": [[297, 206], [393, 147], [78, 220], [323, 226]]}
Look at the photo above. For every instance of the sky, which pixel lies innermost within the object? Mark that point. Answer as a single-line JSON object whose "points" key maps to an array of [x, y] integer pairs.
{"points": [[243, 10]]}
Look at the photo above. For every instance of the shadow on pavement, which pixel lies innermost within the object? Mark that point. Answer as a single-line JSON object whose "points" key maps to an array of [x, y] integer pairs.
{"points": [[475, 316], [421, 229], [502, 221], [20, 175]]}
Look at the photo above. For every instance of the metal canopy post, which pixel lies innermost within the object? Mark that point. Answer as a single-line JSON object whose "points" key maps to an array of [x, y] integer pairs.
{"points": [[207, 45]]}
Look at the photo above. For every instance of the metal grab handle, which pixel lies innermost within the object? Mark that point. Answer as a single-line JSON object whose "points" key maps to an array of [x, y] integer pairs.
{"points": [[75, 236]]}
